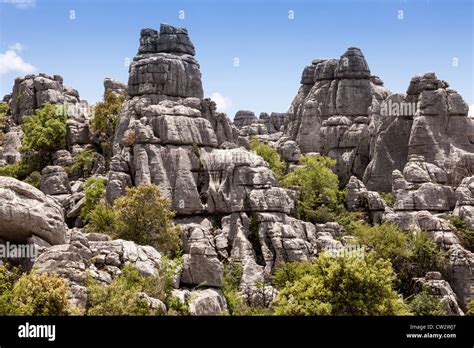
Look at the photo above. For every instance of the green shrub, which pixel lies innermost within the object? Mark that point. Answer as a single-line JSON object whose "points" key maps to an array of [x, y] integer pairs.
{"points": [[388, 198], [270, 155], [317, 186], [105, 119], [464, 233], [411, 254], [45, 131], [338, 286], [101, 219], [470, 308], [230, 286], [142, 215], [34, 179], [8, 277], [122, 296], [426, 303], [94, 193], [83, 163], [22, 169], [40, 294]]}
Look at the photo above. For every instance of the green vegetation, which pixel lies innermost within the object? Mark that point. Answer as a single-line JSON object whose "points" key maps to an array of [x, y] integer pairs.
{"points": [[426, 303], [142, 215], [105, 119], [338, 286], [94, 191], [317, 187], [411, 254], [123, 295], [388, 198], [470, 308], [44, 133], [270, 155], [3, 113], [464, 233], [83, 163], [230, 286], [33, 294]]}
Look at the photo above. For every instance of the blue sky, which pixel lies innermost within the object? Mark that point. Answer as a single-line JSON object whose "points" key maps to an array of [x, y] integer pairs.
{"points": [[272, 49]]}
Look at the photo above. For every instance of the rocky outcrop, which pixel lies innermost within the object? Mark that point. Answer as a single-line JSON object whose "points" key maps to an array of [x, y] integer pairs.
{"points": [[164, 67], [330, 114], [114, 86], [25, 212], [249, 125], [441, 289], [32, 91], [465, 201], [97, 256]]}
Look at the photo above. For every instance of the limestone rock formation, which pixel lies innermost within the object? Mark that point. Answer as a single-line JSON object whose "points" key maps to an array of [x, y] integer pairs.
{"points": [[111, 85], [442, 289], [25, 212], [32, 91]]}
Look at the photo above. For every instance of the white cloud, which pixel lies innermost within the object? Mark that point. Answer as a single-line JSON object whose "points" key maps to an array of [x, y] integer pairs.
{"points": [[11, 61], [471, 110], [20, 4], [222, 103], [16, 47]]}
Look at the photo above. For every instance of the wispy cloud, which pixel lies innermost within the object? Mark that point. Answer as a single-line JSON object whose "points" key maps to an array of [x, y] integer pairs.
{"points": [[471, 110], [222, 103], [20, 4], [10, 61], [16, 47]]}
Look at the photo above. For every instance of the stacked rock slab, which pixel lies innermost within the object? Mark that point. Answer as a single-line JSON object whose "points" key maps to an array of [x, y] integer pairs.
{"points": [[266, 124], [229, 203], [430, 121], [330, 113]]}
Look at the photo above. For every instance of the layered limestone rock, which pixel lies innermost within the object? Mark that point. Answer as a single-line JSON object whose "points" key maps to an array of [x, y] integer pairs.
{"points": [[422, 186], [32, 91], [229, 203], [164, 67], [97, 256], [26, 212], [465, 201], [330, 114], [430, 121], [114, 86], [249, 125]]}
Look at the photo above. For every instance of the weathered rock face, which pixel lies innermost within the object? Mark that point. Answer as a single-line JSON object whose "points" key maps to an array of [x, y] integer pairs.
{"points": [[165, 67], [330, 113], [422, 187], [114, 86], [442, 289], [430, 121], [9, 146], [249, 125], [54, 181], [465, 201], [97, 256], [229, 203], [25, 211], [32, 91]]}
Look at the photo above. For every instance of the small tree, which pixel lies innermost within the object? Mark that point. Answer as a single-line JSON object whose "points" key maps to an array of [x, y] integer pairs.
{"points": [[338, 286], [40, 294], [105, 119], [122, 296], [44, 132], [317, 187], [426, 303], [94, 193], [270, 155]]}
